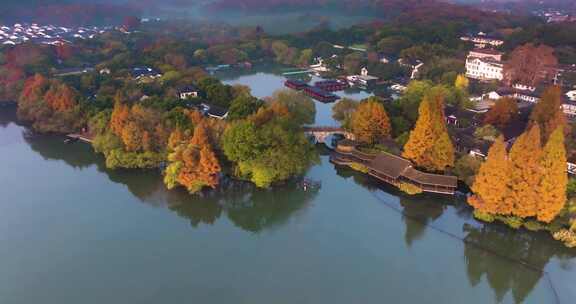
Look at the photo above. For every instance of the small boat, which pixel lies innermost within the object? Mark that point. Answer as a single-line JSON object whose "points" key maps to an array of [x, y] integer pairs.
{"points": [[308, 184]]}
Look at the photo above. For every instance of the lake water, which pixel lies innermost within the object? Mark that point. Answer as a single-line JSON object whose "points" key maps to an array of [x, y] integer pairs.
{"points": [[265, 80], [73, 232]]}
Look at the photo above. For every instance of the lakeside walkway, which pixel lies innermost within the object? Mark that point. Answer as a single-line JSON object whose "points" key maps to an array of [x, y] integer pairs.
{"points": [[394, 170], [82, 137]]}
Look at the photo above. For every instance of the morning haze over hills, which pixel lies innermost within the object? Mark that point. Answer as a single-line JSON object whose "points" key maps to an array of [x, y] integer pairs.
{"points": [[86, 12]]}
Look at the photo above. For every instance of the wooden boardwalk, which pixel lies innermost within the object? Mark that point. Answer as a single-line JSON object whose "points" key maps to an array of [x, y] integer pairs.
{"points": [[82, 137], [395, 170]]}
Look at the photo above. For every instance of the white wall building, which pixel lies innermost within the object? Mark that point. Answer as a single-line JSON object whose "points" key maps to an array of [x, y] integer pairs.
{"points": [[569, 108], [571, 95], [484, 69], [481, 40], [485, 65]]}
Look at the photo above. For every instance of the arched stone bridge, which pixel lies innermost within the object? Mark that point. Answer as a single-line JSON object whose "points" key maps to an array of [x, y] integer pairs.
{"points": [[320, 133]]}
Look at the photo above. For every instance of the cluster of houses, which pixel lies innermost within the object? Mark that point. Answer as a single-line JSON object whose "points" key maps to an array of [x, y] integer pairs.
{"points": [[555, 15], [145, 74], [487, 65], [45, 34], [481, 40], [364, 80]]}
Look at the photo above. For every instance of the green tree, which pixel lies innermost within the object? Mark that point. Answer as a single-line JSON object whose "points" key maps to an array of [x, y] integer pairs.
{"points": [[305, 58], [410, 100], [393, 45], [272, 152], [353, 63], [466, 168], [301, 107], [243, 106], [342, 111]]}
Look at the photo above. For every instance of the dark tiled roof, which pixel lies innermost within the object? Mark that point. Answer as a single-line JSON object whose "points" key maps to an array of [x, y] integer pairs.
{"points": [[320, 92], [217, 111], [487, 51], [188, 88], [390, 165], [395, 166], [430, 179], [144, 71]]}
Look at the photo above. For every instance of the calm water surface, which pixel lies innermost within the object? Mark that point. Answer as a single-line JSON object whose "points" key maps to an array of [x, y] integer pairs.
{"points": [[265, 80], [73, 232]]}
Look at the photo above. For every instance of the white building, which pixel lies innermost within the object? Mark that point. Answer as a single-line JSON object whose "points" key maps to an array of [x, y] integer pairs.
{"points": [[482, 41], [188, 92], [571, 95], [485, 65], [493, 95], [569, 108], [525, 93]]}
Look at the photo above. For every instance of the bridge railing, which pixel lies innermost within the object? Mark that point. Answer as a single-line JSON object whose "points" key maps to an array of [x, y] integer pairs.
{"points": [[323, 129]]}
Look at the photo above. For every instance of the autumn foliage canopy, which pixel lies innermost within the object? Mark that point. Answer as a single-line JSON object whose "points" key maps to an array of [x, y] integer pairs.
{"points": [[429, 145]]}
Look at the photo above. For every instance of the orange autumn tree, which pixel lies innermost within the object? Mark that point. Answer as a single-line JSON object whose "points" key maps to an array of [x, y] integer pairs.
{"points": [[525, 173], [176, 138], [60, 97], [429, 145], [34, 89], [502, 112], [119, 117], [548, 112], [552, 185], [200, 138], [30, 99], [209, 167], [272, 110], [491, 183], [131, 137], [530, 65], [139, 128], [370, 122], [193, 164], [50, 105], [422, 137], [530, 182]]}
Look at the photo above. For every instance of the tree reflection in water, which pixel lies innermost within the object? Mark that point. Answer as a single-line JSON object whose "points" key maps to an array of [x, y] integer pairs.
{"points": [[419, 212], [7, 115], [492, 251], [496, 251], [257, 210], [250, 209]]}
